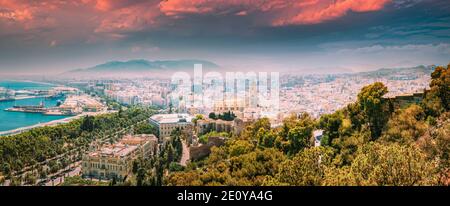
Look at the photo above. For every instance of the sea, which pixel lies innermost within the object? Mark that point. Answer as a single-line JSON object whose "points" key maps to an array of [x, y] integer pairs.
{"points": [[14, 120]]}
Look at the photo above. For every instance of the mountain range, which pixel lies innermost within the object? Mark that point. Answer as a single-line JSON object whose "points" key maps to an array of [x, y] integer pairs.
{"points": [[141, 66]]}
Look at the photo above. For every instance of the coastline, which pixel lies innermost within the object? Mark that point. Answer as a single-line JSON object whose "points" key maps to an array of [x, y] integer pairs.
{"points": [[51, 123], [31, 81]]}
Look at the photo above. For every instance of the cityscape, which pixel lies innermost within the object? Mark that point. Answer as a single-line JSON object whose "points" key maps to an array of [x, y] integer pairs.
{"points": [[226, 93]]}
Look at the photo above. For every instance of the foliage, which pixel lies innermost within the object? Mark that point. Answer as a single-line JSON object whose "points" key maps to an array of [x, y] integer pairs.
{"points": [[226, 116], [42, 143], [437, 100], [305, 168], [196, 118], [295, 134], [78, 181], [145, 128], [204, 138], [406, 126], [378, 164], [374, 107], [365, 143]]}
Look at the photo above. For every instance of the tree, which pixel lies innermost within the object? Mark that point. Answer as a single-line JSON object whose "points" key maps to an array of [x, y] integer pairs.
{"points": [[197, 117], [212, 115], [145, 128], [295, 134], [390, 164], [331, 124], [437, 99], [140, 177], [87, 124], [373, 105], [440, 84], [436, 144], [30, 179], [299, 138], [406, 126], [306, 168], [251, 131]]}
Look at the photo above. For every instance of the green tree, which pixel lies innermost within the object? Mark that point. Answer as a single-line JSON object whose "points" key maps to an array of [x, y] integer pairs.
{"points": [[330, 123], [406, 126], [373, 105], [437, 100], [390, 164], [212, 115], [87, 124], [306, 168]]}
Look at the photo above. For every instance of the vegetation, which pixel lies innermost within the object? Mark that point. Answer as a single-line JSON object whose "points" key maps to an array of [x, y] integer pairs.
{"points": [[204, 138], [150, 171], [366, 143], [226, 116], [64, 142], [78, 181]]}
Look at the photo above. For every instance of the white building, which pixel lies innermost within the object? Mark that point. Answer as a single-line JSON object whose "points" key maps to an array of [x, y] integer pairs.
{"points": [[166, 123]]}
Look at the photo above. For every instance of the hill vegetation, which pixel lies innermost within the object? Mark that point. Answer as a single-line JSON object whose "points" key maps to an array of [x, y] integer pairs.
{"points": [[366, 143]]}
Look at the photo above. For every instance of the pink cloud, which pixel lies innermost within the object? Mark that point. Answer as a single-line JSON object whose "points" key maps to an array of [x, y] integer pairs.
{"points": [[115, 18], [127, 16], [328, 11], [284, 12]]}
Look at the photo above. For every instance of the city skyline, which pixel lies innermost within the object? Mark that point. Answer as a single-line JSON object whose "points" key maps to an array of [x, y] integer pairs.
{"points": [[345, 35]]}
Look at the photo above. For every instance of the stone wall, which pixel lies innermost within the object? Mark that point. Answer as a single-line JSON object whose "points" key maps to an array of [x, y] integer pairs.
{"points": [[201, 151]]}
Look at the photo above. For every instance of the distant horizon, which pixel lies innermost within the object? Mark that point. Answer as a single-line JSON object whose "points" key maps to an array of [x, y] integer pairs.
{"points": [[323, 71]]}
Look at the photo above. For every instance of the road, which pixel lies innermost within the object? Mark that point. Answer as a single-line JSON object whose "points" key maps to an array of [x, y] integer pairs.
{"points": [[60, 179], [185, 154]]}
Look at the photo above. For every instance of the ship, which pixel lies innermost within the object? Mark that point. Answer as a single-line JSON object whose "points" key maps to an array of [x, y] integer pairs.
{"points": [[6, 99], [28, 108]]}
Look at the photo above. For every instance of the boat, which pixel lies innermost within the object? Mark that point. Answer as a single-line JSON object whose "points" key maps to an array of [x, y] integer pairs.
{"points": [[28, 108], [6, 99]]}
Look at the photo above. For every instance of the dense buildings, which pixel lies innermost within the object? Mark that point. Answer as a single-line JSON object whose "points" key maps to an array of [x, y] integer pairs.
{"points": [[324, 94], [81, 103], [114, 160]]}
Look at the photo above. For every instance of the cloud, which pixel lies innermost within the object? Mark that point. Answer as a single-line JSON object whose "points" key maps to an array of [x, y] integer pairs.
{"points": [[327, 10], [116, 16], [440, 48], [282, 12]]}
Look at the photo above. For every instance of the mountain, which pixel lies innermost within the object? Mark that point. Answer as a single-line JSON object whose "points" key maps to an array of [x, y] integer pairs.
{"points": [[394, 72], [139, 67]]}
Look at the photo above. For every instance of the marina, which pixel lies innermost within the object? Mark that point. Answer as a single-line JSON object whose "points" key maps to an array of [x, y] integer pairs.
{"points": [[24, 104]]}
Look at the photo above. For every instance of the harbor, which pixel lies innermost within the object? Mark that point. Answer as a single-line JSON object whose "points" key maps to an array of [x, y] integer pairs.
{"points": [[71, 106], [25, 105]]}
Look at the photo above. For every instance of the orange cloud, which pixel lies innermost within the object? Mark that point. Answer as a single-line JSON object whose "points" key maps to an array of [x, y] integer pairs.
{"points": [[126, 16], [108, 5], [339, 8], [284, 12], [117, 17]]}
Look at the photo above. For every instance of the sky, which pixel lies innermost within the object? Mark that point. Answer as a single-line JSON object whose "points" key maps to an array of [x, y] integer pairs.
{"points": [[53, 36]]}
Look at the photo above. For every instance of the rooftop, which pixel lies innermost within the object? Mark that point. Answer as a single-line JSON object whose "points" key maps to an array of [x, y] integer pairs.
{"points": [[171, 118], [124, 147]]}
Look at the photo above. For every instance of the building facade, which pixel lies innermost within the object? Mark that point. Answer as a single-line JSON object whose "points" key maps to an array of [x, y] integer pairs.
{"points": [[166, 123], [115, 160]]}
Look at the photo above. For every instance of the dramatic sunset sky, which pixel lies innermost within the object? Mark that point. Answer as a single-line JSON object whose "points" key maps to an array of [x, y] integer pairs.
{"points": [[328, 35]]}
